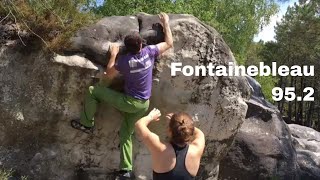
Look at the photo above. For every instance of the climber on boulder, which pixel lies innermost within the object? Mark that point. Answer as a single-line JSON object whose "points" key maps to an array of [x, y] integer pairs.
{"points": [[178, 159], [136, 67]]}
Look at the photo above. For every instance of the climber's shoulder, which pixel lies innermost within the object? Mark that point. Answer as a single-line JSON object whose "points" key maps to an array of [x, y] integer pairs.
{"points": [[198, 144], [151, 50]]}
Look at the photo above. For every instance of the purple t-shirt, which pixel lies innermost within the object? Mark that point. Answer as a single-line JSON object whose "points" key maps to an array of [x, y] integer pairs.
{"points": [[137, 72]]}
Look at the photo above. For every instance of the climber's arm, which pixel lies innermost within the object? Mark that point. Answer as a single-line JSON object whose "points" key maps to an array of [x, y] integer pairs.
{"points": [[111, 71], [164, 46], [199, 141], [111, 74], [114, 50], [150, 139]]}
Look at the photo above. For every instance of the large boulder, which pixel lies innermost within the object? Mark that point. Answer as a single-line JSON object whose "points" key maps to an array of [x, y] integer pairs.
{"points": [[262, 149], [41, 92], [307, 143]]}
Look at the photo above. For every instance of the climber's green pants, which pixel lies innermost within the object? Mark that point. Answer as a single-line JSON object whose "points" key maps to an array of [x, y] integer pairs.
{"points": [[133, 109]]}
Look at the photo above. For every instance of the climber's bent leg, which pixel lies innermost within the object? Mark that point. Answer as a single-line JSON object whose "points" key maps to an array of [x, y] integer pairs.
{"points": [[90, 105], [126, 133], [89, 108], [116, 99]]}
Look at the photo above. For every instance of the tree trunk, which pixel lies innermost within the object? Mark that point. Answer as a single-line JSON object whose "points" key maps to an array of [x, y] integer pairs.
{"points": [[290, 104], [295, 101], [280, 85], [301, 102], [283, 86], [309, 116]]}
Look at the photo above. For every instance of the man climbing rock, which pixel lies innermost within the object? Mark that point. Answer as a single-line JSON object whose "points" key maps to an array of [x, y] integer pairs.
{"points": [[136, 67]]}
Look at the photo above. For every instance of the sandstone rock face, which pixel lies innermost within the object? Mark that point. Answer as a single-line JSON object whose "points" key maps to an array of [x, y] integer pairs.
{"points": [[263, 147], [41, 92], [307, 143]]}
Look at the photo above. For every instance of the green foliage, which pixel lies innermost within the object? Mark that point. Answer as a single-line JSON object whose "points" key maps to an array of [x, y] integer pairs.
{"points": [[5, 174], [54, 21], [299, 34], [254, 54], [237, 21], [267, 84], [259, 52], [270, 52], [298, 43]]}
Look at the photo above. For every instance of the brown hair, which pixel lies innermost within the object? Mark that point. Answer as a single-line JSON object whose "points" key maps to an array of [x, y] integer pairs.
{"points": [[133, 42], [182, 128]]}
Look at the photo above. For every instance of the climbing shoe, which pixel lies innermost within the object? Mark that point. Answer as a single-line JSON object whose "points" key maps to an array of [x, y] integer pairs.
{"points": [[77, 125], [125, 175]]}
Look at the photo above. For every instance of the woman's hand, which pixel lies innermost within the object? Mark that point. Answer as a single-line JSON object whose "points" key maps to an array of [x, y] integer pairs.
{"points": [[155, 114], [169, 116]]}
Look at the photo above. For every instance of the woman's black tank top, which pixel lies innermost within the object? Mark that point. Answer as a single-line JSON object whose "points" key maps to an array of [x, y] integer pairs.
{"points": [[179, 172]]}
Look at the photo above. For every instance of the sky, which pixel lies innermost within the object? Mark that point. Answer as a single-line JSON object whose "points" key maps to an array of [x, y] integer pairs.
{"points": [[268, 33], [99, 2]]}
